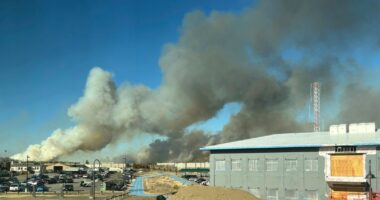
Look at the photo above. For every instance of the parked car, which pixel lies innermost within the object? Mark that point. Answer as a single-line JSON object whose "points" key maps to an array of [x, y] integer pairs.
{"points": [[4, 187], [41, 188], [13, 180], [200, 180], [85, 184], [161, 197], [15, 187], [190, 177], [52, 180], [68, 187], [61, 180], [206, 182], [69, 180]]}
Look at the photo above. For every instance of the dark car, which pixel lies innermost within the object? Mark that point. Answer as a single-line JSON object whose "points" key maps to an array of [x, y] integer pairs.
{"points": [[41, 188], [161, 197], [4, 187], [69, 180], [68, 187], [188, 177], [200, 180], [61, 180], [52, 180]]}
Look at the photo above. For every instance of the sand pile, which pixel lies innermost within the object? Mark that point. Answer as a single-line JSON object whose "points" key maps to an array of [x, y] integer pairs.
{"points": [[199, 192], [161, 185]]}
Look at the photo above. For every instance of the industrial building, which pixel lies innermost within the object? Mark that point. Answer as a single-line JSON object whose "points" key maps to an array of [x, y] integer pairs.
{"points": [[59, 167], [21, 167], [343, 163]]}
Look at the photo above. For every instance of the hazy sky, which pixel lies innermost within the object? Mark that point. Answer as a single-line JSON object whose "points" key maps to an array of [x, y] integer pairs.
{"points": [[47, 48]]}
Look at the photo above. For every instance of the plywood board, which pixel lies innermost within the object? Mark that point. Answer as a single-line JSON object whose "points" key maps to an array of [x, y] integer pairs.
{"points": [[347, 195], [347, 165]]}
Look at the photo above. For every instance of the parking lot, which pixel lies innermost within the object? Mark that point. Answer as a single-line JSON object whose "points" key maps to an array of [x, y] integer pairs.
{"points": [[57, 187], [56, 190]]}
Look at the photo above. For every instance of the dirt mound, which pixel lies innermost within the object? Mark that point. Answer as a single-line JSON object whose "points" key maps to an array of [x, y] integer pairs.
{"points": [[198, 192], [161, 185]]}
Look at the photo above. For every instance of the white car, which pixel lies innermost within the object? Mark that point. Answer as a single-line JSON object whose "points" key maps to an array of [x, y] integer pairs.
{"points": [[16, 187], [86, 183]]}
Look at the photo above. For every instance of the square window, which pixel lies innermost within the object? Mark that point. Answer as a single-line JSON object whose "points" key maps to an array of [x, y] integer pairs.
{"points": [[271, 165], [220, 165], [253, 165], [236, 165], [272, 194], [311, 165], [311, 195], [290, 165], [291, 195]]}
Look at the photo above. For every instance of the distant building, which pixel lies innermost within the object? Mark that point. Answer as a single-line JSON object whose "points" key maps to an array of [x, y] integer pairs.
{"points": [[22, 166], [185, 165], [312, 166], [111, 166], [65, 167]]}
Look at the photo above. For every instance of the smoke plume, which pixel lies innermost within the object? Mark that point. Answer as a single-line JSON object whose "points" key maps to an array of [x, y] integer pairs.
{"points": [[264, 58]]}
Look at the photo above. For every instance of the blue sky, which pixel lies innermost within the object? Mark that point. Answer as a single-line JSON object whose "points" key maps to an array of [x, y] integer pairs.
{"points": [[47, 48]]}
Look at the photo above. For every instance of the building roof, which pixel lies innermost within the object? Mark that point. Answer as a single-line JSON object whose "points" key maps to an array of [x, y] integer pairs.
{"points": [[301, 140], [31, 164], [198, 170]]}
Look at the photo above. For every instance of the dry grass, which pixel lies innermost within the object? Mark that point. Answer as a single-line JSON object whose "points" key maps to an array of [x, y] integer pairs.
{"points": [[161, 185]]}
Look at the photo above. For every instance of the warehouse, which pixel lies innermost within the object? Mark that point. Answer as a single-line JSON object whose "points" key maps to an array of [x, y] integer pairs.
{"points": [[313, 165]]}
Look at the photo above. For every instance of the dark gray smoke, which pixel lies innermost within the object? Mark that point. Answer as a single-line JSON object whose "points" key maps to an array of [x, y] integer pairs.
{"points": [[265, 58]]}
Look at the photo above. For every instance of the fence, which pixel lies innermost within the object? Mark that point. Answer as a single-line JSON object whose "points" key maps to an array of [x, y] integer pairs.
{"points": [[65, 194]]}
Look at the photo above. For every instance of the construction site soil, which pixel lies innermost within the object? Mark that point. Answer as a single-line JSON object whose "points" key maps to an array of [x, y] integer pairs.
{"points": [[161, 185], [199, 192]]}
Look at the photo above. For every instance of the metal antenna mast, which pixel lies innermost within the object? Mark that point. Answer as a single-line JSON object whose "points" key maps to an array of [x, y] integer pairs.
{"points": [[316, 102]]}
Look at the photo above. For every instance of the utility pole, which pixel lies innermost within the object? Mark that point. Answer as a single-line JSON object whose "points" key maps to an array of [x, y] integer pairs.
{"points": [[93, 177], [125, 162], [27, 171], [370, 176]]}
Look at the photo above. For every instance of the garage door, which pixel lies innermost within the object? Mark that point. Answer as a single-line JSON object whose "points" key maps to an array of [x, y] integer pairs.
{"points": [[347, 165]]}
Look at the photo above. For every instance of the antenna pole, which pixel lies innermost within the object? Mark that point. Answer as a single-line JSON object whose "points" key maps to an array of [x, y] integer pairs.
{"points": [[316, 102]]}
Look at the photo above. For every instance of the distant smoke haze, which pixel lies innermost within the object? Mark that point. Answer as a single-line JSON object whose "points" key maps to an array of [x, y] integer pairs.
{"points": [[222, 58]]}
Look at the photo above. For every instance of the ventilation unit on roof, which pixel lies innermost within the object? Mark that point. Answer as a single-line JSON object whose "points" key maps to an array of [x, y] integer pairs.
{"points": [[362, 128], [353, 128], [338, 129]]}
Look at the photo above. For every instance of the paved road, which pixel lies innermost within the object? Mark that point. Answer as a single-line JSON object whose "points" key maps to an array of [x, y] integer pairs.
{"points": [[137, 188]]}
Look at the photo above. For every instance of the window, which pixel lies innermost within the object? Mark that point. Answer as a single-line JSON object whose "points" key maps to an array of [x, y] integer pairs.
{"points": [[253, 165], [220, 165], [236, 165], [311, 195], [291, 195], [255, 192], [271, 165], [290, 165], [345, 149], [272, 194], [311, 165]]}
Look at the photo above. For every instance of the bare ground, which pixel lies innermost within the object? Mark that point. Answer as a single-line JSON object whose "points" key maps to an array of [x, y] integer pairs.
{"points": [[199, 192], [161, 185]]}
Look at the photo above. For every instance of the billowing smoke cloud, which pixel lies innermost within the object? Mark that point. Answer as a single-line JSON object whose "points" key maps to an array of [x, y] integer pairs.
{"points": [[265, 58]]}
